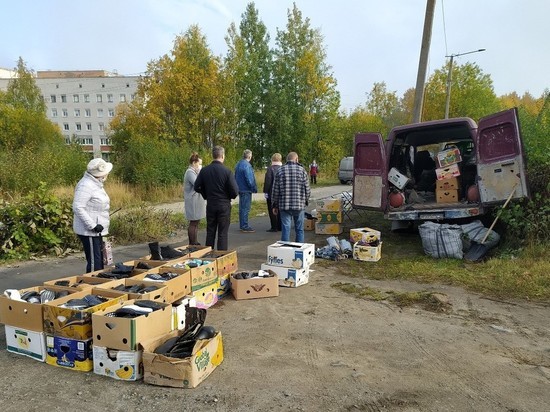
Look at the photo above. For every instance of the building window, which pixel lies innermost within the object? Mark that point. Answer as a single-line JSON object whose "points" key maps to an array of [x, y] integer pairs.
{"points": [[67, 139], [122, 97], [88, 127], [110, 98], [86, 141], [75, 98], [80, 85], [86, 98], [105, 141], [99, 112], [53, 98], [76, 112], [78, 127], [88, 112], [101, 127], [63, 98], [111, 112], [65, 126], [54, 112], [65, 113], [99, 98]]}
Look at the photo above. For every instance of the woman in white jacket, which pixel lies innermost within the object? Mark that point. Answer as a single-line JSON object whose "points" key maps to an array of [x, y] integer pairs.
{"points": [[194, 203], [91, 212]]}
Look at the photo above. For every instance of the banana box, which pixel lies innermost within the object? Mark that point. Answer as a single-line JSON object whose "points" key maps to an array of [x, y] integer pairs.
{"points": [[189, 251], [329, 205], [118, 364], [328, 228], [180, 311], [224, 285], [226, 261], [329, 217], [189, 372], [177, 287], [202, 275], [69, 353], [157, 291], [364, 234], [367, 253], [76, 323], [77, 282], [254, 288], [291, 254], [206, 296], [126, 333], [289, 277], [26, 342]]}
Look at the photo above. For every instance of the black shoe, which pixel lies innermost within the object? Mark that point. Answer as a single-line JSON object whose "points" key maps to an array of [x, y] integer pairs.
{"points": [[168, 252], [155, 251], [271, 230]]}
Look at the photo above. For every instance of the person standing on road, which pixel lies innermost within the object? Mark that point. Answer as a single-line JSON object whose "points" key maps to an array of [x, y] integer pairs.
{"points": [[276, 163], [91, 206], [244, 175], [218, 187], [313, 172], [290, 194], [194, 203]]}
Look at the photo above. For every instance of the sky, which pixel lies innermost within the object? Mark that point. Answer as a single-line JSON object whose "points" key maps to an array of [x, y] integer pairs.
{"points": [[366, 41]]}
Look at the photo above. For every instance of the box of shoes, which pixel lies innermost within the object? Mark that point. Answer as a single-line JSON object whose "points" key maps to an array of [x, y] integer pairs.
{"points": [[177, 281], [180, 310], [78, 283], [363, 234], [206, 296], [188, 372], [289, 277], [203, 271], [69, 353], [226, 261], [136, 289], [254, 285], [118, 364], [125, 332], [26, 342], [71, 316], [23, 308], [291, 254], [194, 251], [224, 285]]}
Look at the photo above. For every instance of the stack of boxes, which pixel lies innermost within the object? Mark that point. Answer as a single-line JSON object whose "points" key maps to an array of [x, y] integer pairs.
{"points": [[367, 244], [291, 262], [329, 217], [448, 172]]}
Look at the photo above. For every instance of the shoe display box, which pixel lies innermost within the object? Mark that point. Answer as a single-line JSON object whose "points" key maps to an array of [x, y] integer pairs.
{"points": [[69, 353], [177, 287], [75, 323], [26, 342], [226, 261], [78, 283], [291, 254], [362, 234], [158, 295], [202, 275], [127, 333], [207, 296], [289, 277], [328, 228], [367, 253], [188, 372], [180, 309], [118, 364], [224, 285], [254, 288]]}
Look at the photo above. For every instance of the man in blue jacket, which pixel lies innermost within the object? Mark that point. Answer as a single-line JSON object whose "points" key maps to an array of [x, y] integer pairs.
{"points": [[244, 175]]}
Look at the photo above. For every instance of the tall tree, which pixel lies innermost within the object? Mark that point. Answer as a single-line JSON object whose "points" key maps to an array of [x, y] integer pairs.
{"points": [[23, 92]]}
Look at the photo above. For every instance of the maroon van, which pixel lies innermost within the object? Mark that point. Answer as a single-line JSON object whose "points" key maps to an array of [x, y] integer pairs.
{"points": [[487, 165]]}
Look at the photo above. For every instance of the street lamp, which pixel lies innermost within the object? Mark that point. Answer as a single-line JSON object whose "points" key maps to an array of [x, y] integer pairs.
{"points": [[452, 56]]}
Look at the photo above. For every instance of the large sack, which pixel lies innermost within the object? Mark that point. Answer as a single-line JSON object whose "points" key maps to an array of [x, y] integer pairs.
{"points": [[441, 240], [475, 232]]}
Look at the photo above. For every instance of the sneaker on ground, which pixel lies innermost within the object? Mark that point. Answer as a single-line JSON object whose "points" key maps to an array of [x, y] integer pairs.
{"points": [[248, 230]]}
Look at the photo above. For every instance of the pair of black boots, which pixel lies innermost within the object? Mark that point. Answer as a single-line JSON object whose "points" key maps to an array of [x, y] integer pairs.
{"points": [[163, 252]]}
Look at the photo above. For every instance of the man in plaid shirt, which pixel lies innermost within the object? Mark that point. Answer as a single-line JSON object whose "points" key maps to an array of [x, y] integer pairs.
{"points": [[290, 195]]}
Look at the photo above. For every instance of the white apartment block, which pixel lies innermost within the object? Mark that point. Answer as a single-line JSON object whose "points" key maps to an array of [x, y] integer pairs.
{"points": [[82, 103]]}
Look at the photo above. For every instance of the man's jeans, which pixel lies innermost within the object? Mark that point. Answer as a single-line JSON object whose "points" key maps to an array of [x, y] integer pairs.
{"points": [[245, 201], [287, 216]]}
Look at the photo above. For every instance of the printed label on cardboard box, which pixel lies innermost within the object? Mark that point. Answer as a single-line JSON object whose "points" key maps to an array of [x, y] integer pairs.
{"points": [[291, 254], [69, 353], [329, 205], [448, 157], [118, 364], [328, 228], [26, 342], [363, 234]]}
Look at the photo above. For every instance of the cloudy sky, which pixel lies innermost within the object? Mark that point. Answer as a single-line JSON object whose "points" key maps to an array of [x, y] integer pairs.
{"points": [[367, 41]]}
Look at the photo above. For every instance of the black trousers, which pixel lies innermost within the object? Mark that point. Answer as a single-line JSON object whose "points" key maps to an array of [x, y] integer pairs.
{"points": [[218, 217], [93, 251], [274, 219]]}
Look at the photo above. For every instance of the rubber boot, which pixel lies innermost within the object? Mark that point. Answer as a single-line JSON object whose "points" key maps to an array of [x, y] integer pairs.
{"points": [[155, 251]]}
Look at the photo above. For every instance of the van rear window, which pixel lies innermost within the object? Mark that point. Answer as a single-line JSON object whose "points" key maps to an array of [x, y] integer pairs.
{"points": [[367, 157]]}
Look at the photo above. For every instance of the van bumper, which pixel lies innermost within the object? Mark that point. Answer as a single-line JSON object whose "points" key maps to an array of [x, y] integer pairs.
{"points": [[435, 214]]}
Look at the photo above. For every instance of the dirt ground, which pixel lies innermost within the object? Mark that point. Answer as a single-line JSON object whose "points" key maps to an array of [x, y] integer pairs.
{"points": [[316, 348]]}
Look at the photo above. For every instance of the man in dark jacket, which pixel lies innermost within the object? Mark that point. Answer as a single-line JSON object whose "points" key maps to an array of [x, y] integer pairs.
{"points": [[276, 163], [217, 185]]}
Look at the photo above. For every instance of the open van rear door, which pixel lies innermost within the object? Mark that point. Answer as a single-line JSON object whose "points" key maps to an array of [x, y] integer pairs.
{"points": [[499, 151], [370, 177]]}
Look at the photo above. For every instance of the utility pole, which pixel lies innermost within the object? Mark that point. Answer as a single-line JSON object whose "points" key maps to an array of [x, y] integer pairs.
{"points": [[423, 63]]}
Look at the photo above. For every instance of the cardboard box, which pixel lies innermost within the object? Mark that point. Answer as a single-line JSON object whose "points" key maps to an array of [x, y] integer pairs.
{"points": [[309, 224], [118, 364], [289, 277], [188, 372], [189, 251], [448, 184], [73, 323], [224, 285], [446, 196], [177, 287], [367, 253], [397, 178], [226, 261], [363, 233], [291, 254], [328, 228], [26, 342], [69, 353], [202, 275], [447, 172], [329, 205], [24, 315], [158, 295], [127, 333], [254, 288], [448, 157], [207, 296], [77, 282], [329, 217], [179, 312]]}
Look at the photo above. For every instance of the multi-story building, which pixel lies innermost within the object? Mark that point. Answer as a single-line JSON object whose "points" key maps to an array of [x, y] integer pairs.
{"points": [[82, 103]]}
